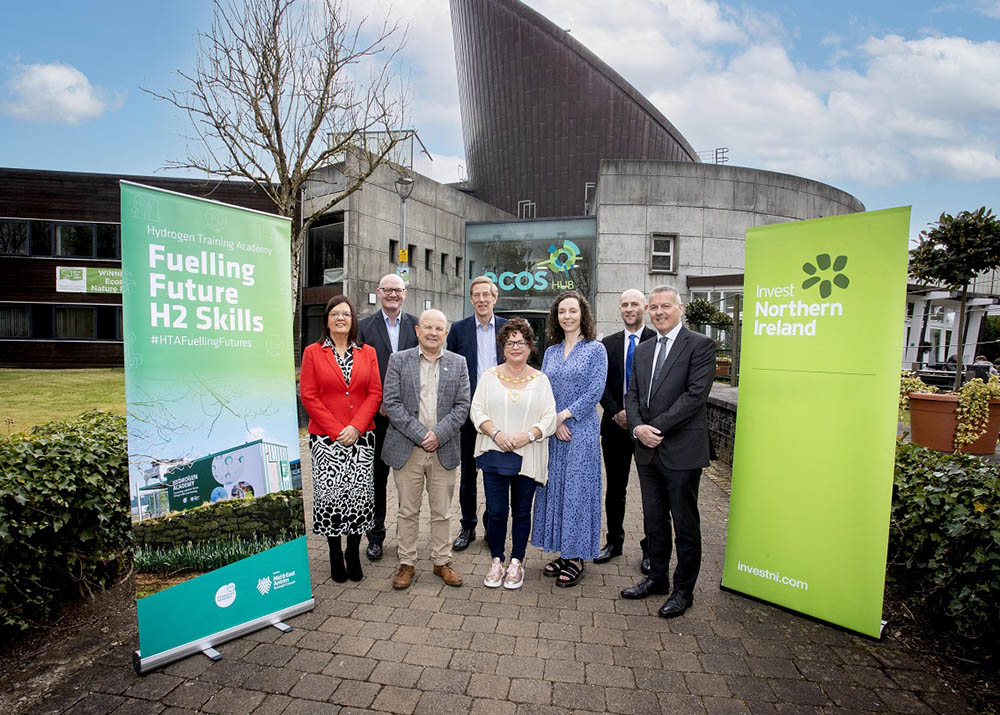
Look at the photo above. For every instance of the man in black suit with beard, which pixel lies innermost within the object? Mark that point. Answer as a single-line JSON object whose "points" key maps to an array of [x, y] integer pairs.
{"points": [[616, 438], [666, 409], [388, 331]]}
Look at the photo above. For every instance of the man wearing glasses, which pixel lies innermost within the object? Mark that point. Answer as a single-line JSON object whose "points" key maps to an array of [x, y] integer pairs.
{"points": [[475, 339], [388, 331]]}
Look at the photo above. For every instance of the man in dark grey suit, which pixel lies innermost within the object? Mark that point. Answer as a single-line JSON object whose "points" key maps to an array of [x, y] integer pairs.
{"points": [[616, 437], [666, 410], [388, 331], [426, 398]]}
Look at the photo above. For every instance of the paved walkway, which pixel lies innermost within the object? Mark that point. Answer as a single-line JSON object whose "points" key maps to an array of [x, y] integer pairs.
{"points": [[437, 650]]}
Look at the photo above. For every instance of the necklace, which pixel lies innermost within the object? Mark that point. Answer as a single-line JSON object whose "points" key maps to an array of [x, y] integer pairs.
{"points": [[515, 380], [515, 392]]}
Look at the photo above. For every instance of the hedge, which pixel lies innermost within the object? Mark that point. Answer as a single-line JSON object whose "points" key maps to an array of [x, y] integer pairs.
{"points": [[944, 540], [65, 526]]}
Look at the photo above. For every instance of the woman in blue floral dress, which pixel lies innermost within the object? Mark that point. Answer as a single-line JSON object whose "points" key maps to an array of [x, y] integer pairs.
{"points": [[567, 515]]}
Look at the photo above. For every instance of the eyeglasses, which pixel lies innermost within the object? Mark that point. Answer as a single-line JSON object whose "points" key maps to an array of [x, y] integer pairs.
{"points": [[340, 314], [516, 344], [393, 291]]}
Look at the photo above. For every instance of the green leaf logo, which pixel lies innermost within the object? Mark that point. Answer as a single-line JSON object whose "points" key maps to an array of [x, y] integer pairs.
{"points": [[820, 272]]}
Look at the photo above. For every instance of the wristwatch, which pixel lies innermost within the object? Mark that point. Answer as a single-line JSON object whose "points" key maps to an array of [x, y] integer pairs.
{"points": [[532, 437]]}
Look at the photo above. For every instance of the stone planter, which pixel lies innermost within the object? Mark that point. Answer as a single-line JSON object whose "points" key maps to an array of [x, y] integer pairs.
{"points": [[932, 424]]}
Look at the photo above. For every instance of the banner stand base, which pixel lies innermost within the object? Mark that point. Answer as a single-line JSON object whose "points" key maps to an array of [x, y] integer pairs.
{"points": [[207, 644], [800, 614]]}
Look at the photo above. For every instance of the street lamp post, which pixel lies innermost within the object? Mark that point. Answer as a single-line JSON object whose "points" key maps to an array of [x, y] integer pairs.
{"points": [[404, 187]]}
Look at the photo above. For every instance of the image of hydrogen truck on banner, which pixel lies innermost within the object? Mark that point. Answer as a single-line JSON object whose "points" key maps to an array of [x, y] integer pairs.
{"points": [[247, 470]]}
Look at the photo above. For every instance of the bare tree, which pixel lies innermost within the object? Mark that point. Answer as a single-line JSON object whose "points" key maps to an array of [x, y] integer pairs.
{"points": [[282, 89]]}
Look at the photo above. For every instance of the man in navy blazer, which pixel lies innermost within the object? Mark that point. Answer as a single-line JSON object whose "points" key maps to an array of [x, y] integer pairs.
{"points": [[616, 437], [475, 339], [388, 331], [666, 407]]}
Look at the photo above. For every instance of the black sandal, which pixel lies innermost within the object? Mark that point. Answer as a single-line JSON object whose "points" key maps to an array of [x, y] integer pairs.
{"points": [[554, 568], [572, 572]]}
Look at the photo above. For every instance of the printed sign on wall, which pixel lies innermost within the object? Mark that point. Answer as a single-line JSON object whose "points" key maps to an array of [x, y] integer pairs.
{"points": [[80, 279]]}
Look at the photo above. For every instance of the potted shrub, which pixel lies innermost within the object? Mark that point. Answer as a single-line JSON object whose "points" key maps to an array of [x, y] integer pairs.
{"points": [[700, 313], [965, 421]]}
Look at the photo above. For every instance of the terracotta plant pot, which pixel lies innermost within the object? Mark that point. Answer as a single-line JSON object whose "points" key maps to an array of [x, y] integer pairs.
{"points": [[932, 424]]}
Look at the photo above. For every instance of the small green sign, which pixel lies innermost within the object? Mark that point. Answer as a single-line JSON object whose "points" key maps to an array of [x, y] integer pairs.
{"points": [[816, 425], [78, 279]]}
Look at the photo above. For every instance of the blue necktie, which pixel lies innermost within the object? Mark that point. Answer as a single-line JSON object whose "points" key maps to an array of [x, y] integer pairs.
{"points": [[629, 355]]}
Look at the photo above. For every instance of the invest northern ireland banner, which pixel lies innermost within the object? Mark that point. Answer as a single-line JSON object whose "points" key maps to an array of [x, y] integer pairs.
{"points": [[212, 422], [821, 347]]}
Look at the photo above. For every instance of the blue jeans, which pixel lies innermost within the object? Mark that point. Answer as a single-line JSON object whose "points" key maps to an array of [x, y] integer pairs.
{"points": [[508, 495]]}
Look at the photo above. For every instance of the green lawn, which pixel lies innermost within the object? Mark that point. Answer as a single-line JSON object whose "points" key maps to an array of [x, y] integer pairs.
{"points": [[33, 397]]}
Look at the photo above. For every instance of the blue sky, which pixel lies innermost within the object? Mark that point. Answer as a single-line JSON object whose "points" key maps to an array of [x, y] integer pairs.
{"points": [[896, 103]]}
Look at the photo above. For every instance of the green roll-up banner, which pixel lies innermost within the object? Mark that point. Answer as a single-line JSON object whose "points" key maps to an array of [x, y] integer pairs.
{"points": [[824, 302], [212, 422]]}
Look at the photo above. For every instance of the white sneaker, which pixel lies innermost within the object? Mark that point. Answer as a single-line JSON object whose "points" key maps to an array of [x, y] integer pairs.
{"points": [[495, 577], [515, 575]]}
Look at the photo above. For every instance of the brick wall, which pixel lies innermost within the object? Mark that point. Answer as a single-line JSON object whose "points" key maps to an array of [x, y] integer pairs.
{"points": [[722, 421]]}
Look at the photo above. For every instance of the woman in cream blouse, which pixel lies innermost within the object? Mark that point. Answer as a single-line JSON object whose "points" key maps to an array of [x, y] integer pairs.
{"points": [[515, 413]]}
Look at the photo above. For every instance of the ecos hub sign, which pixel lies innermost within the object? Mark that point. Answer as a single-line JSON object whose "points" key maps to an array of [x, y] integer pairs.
{"points": [[533, 261], [554, 272]]}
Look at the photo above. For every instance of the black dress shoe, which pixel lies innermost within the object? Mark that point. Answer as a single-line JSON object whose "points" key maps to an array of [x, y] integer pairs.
{"points": [[608, 552], [645, 566], [645, 588], [464, 538], [374, 551], [678, 602]]}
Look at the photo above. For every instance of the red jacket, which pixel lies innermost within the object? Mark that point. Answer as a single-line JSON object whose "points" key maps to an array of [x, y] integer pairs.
{"points": [[330, 402]]}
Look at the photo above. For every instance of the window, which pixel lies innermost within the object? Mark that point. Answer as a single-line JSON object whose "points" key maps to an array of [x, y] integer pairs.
{"points": [[393, 251], [663, 251], [109, 323], [428, 257], [75, 323], [14, 237], [312, 323], [15, 321], [411, 255], [41, 238], [107, 240], [444, 263], [325, 254], [75, 240], [458, 267]]}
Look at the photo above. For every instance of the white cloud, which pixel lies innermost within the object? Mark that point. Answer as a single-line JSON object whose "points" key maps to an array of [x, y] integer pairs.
{"points": [[54, 92], [990, 8], [444, 169]]}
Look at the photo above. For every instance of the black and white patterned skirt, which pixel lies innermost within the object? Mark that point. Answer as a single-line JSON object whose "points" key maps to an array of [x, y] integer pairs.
{"points": [[343, 485]]}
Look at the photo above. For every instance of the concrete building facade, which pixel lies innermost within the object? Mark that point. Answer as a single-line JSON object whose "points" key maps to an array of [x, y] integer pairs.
{"points": [[436, 215], [665, 222]]}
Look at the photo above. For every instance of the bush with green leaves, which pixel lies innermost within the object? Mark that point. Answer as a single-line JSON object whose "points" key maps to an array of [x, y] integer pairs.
{"points": [[944, 540], [65, 526]]}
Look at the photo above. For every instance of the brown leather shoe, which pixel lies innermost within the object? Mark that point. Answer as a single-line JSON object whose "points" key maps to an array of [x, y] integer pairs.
{"points": [[449, 575], [403, 578]]}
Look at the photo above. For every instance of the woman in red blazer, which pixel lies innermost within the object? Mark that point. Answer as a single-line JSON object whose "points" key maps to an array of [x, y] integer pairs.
{"points": [[341, 390]]}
